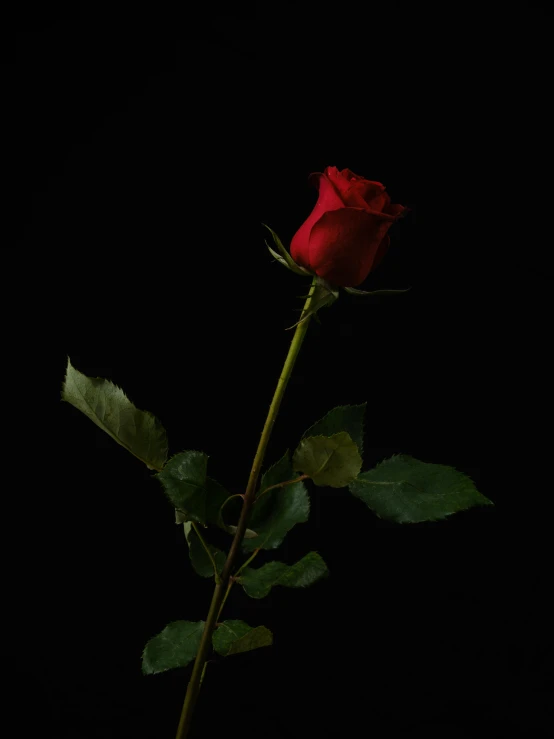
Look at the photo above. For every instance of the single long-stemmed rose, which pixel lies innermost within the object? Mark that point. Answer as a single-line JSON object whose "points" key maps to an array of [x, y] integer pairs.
{"points": [[340, 243]]}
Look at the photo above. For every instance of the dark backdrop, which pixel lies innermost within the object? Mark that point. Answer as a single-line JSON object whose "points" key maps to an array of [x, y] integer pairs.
{"points": [[142, 154]]}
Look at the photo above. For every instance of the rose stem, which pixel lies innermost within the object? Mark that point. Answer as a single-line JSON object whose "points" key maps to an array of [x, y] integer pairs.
{"points": [[220, 588]]}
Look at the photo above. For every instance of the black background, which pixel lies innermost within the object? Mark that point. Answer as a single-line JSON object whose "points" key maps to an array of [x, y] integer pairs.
{"points": [[142, 153]]}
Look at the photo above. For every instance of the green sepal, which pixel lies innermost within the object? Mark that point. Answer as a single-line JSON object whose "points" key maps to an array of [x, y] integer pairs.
{"points": [[234, 637], [258, 582], [355, 291], [140, 432], [284, 257], [404, 490], [323, 296], [175, 646], [332, 461]]}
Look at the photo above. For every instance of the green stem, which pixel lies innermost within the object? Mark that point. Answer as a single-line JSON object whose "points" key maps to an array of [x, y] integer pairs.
{"points": [[203, 672], [229, 586], [232, 580], [281, 485], [231, 497], [245, 564], [220, 589]]}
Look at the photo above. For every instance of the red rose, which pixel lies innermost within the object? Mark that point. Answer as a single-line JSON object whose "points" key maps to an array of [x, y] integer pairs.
{"points": [[345, 237]]}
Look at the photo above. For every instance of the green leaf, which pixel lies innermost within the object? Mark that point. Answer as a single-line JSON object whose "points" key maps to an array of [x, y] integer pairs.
{"points": [[329, 460], [405, 490], [184, 481], [233, 637], [349, 418], [277, 511], [216, 495], [180, 517], [195, 496], [175, 646], [108, 407], [199, 558], [258, 582], [284, 257]]}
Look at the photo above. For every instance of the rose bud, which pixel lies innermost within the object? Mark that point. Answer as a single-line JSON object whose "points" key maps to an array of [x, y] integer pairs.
{"points": [[345, 237]]}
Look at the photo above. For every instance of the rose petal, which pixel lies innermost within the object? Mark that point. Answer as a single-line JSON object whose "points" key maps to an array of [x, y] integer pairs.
{"points": [[343, 245], [357, 192], [331, 172], [329, 197], [349, 174], [381, 251], [394, 210], [341, 183], [328, 200]]}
